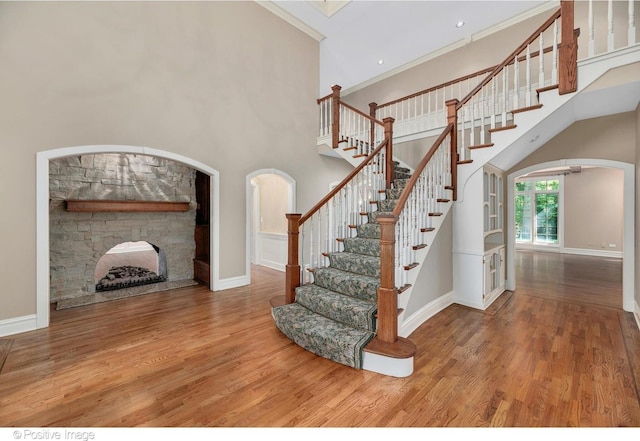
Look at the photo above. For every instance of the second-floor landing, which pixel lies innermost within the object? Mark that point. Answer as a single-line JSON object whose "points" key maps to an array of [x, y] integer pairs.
{"points": [[608, 84]]}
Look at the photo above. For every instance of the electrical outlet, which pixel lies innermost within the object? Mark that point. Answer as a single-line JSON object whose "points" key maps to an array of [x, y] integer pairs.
{"points": [[612, 245]]}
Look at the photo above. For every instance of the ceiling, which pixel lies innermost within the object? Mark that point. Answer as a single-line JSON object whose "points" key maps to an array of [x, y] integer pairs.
{"points": [[355, 35]]}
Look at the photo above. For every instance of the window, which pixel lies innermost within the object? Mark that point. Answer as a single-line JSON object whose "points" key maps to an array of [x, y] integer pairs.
{"points": [[536, 205]]}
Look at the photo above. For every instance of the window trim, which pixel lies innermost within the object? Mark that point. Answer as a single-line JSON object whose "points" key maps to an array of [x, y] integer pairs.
{"points": [[539, 246]]}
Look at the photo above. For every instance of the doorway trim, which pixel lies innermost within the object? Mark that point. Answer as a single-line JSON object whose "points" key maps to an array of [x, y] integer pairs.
{"points": [[629, 203], [291, 198], [42, 213]]}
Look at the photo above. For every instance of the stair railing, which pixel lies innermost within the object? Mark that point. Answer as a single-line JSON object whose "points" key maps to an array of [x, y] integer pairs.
{"points": [[426, 109], [321, 230], [513, 85], [402, 232], [346, 124]]}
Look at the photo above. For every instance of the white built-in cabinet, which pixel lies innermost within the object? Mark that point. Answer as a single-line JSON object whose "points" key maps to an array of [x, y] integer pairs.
{"points": [[494, 248]]}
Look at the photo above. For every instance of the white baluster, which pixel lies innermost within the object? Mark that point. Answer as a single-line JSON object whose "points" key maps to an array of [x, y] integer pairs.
{"points": [[610, 34], [592, 31], [482, 116], [303, 261], [494, 102], [554, 70], [505, 96], [527, 96], [516, 82], [541, 61], [472, 122], [631, 38]]}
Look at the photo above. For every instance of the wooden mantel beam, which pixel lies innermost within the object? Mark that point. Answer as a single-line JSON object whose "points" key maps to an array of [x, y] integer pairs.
{"points": [[97, 206]]}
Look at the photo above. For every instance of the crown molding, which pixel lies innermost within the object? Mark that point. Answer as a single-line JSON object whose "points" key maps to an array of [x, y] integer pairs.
{"points": [[547, 6], [328, 7], [291, 19]]}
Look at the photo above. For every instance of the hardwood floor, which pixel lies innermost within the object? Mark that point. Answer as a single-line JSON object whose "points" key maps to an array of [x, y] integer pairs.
{"points": [[193, 358]]}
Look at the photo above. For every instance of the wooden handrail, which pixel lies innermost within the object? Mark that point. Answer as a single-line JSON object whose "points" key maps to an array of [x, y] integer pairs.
{"points": [[376, 106], [361, 113], [402, 200], [510, 58], [342, 184], [324, 98], [439, 86]]}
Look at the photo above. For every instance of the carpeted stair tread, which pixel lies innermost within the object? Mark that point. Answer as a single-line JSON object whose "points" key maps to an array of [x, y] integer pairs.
{"points": [[369, 230], [322, 336], [393, 193], [356, 263], [387, 205], [355, 285], [362, 245], [345, 309]]}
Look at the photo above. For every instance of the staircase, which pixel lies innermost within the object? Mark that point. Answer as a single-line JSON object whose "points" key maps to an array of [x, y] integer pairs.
{"points": [[350, 308], [335, 315]]}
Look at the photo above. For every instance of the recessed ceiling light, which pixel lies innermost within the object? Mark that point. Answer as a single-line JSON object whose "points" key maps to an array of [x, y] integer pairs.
{"points": [[380, 61], [460, 24]]}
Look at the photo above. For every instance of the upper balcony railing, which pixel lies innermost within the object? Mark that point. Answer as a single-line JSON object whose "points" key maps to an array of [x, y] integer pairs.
{"points": [[605, 26]]}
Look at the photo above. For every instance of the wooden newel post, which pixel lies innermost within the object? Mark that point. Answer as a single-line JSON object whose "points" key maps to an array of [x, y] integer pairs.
{"points": [[388, 135], [568, 52], [373, 107], [293, 264], [335, 117], [387, 292], [452, 118]]}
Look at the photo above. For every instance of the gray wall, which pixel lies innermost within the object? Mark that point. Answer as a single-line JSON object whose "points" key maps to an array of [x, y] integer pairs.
{"points": [[227, 84], [593, 209]]}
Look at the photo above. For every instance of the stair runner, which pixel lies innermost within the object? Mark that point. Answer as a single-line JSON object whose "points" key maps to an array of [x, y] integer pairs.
{"points": [[334, 317]]}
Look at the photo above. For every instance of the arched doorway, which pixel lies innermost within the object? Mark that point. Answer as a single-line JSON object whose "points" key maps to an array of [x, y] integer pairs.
{"points": [[42, 212], [628, 254], [270, 195]]}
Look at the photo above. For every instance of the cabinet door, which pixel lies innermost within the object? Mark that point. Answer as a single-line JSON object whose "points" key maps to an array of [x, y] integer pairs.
{"points": [[501, 268], [487, 274]]}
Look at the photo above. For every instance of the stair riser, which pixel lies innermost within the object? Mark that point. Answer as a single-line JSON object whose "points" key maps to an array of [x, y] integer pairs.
{"points": [[341, 308], [358, 245], [359, 264], [317, 334], [370, 230], [362, 287]]}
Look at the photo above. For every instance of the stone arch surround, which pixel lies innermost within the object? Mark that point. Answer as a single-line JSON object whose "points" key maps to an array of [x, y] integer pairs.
{"points": [[42, 211]]}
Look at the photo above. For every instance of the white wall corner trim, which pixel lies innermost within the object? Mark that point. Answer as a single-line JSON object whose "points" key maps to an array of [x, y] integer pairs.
{"points": [[291, 206], [629, 204], [42, 213], [425, 313], [234, 282], [18, 324]]}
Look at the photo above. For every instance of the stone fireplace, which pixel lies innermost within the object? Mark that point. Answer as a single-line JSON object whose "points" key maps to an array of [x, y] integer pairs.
{"points": [[130, 264], [126, 198]]}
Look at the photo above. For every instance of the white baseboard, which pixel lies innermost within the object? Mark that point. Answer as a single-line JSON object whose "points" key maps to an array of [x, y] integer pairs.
{"points": [[636, 314], [273, 265], [425, 313], [233, 282], [597, 253], [18, 324]]}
